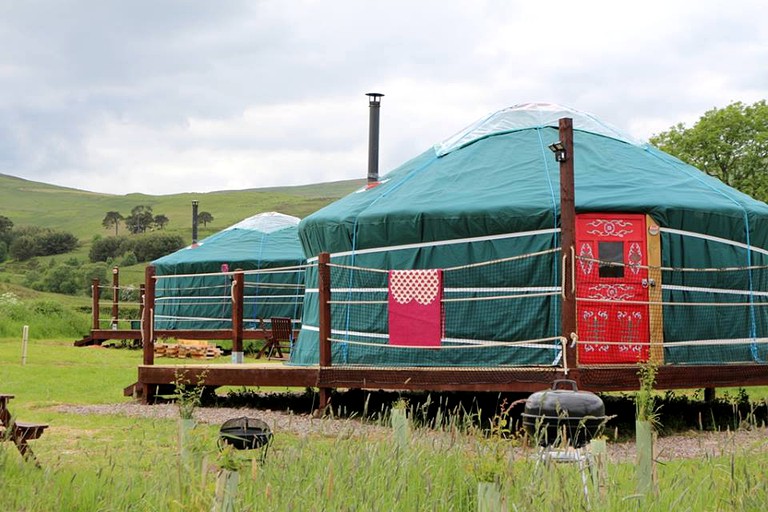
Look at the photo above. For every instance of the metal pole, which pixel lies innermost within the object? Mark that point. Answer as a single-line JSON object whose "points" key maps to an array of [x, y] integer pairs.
{"points": [[194, 221], [374, 102], [568, 236]]}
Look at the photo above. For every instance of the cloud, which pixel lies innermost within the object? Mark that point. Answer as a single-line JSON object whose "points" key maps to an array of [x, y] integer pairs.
{"points": [[165, 97]]}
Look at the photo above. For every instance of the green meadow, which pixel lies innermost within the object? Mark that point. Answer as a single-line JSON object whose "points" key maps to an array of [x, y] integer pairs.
{"points": [[114, 463]]}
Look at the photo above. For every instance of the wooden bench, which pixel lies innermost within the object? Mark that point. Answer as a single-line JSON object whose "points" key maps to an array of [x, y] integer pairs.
{"points": [[18, 432]]}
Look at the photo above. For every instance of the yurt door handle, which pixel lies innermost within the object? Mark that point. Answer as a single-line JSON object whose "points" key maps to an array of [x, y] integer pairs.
{"points": [[648, 283]]}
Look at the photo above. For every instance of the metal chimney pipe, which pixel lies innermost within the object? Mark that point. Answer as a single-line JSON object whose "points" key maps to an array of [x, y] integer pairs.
{"points": [[194, 222], [374, 102]]}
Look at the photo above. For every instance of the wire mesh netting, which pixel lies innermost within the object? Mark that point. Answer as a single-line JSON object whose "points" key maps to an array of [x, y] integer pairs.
{"points": [[204, 301], [500, 312]]}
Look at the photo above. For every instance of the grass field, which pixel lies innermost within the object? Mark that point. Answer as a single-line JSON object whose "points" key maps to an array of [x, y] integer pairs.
{"points": [[95, 462]]}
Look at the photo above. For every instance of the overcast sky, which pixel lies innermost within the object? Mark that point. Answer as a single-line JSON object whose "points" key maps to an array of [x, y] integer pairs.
{"points": [[163, 97]]}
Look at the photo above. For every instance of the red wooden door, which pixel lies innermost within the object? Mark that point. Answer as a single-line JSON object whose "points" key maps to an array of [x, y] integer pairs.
{"points": [[610, 330]]}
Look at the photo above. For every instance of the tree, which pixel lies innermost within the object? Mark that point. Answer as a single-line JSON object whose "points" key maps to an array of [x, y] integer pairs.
{"points": [[160, 221], [23, 248], [109, 248], [140, 219], [205, 218], [112, 219], [730, 143]]}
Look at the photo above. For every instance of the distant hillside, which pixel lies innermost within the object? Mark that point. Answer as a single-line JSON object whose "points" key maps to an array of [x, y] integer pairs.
{"points": [[80, 212]]}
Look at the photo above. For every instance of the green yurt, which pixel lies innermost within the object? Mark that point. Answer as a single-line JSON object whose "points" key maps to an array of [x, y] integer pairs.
{"points": [[193, 289], [669, 261]]}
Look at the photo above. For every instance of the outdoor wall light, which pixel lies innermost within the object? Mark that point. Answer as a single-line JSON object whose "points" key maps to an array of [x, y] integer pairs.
{"points": [[559, 150]]}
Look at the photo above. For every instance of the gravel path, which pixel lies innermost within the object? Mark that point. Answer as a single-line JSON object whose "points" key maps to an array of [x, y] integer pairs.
{"points": [[279, 421], [686, 445]]}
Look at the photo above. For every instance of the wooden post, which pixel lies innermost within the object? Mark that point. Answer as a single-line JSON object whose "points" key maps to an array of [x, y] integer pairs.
{"points": [[142, 291], [324, 312], [568, 238], [147, 318], [24, 343], [115, 296], [95, 294], [148, 331], [238, 296]]}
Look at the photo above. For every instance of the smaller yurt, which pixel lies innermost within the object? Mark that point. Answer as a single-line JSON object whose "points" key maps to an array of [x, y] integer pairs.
{"points": [[194, 284]]}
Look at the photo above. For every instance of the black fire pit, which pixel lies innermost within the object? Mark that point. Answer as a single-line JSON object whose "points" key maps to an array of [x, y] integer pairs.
{"points": [[564, 416], [245, 434]]}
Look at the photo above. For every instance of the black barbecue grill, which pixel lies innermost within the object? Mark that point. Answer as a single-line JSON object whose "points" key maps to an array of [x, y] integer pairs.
{"points": [[564, 416], [246, 434]]}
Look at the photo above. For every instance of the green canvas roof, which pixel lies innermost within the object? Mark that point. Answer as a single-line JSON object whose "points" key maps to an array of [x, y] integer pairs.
{"points": [[266, 240], [498, 176], [192, 293]]}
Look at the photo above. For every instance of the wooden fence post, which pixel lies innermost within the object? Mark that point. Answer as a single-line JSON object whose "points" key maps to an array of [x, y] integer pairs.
{"points": [[238, 296], [568, 239], [324, 313], [148, 391], [95, 294], [115, 296]]}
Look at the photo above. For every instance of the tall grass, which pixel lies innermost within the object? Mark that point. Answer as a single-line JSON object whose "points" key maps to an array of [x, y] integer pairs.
{"points": [[46, 318], [117, 463], [143, 471]]}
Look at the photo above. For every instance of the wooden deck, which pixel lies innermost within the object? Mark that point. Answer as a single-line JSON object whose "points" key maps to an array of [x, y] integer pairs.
{"points": [[604, 378], [98, 336]]}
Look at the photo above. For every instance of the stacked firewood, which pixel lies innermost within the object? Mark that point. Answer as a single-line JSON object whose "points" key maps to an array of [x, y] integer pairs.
{"points": [[194, 349]]}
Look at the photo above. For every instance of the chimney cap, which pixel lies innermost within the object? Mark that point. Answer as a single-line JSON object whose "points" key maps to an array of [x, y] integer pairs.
{"points": [[375, 97]]}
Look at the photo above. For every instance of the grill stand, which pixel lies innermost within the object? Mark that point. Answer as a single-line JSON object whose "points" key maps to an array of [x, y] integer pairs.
{"points": [[581, 456]]}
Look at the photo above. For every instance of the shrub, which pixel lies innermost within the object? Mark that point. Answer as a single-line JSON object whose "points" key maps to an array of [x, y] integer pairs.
{"points": [[61, 279], [70, 277], [23, 248], [129, 259], [56, 242], [30, 241], [108, 248], [155, 246]]}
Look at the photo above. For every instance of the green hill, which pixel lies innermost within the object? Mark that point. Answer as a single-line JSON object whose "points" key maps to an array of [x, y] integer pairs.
{"points": [[80, 212], [30, 203]]}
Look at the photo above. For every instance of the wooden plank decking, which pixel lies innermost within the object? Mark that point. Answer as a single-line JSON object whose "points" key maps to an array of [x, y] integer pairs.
{"points": [[607, 378]]}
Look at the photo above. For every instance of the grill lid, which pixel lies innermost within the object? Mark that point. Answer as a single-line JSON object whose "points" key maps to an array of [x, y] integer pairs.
{"points": [[564, 403]]}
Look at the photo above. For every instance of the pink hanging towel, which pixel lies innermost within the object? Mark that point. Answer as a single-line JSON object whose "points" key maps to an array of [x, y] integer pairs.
{"points": [[416, 307]]}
